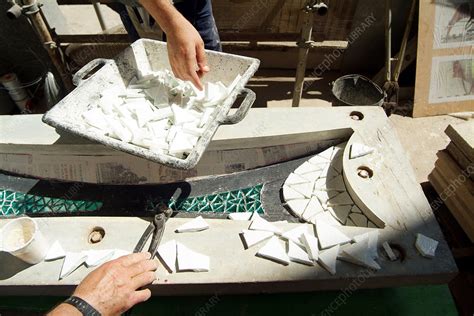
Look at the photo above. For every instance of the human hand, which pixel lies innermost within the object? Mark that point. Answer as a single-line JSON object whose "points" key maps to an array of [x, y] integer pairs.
{"points": [[186, 52], [113, 287]]}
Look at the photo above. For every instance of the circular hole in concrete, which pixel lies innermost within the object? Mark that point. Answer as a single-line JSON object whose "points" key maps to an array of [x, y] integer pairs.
{"points": [[356, 116], [96, 235], [365, 172]]}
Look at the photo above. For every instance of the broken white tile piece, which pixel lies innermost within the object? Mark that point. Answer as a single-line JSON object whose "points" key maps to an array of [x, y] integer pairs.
{"points": [[97, 257], [253, 237], [295, 234], [242, 216], [327, 259], [336, 184], [350, 223], [359, 253], [329, 236], [294, 178], [298, 206], [71, 262], [356, 209], [273, 250], [310, 242], [426, 246], [297, 254], [388, 250], [373, 238], [291, 194], [341, 199], [359, 150], [318, 160], [325, 217], [371, 225], [314, 207], [56, 251], [306, 167], [189, 260], [195, 225], [358, 219], [327, 154], [167, 253], [259, 223], [324, 196], [340, 212], [311, 176], [305, 189], [181, 116]]}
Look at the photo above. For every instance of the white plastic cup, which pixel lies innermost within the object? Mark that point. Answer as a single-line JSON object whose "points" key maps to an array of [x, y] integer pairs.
{"points": [[22, 238]]}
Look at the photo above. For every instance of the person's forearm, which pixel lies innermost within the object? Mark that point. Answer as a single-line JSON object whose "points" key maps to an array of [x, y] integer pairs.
{"points": [[163, 12], [64, 309]]}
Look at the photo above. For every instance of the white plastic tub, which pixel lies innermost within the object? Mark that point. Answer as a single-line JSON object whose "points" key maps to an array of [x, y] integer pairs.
{"points": [[142, 57]]}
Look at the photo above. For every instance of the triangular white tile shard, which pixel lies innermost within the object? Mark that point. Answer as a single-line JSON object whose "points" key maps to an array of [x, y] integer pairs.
{"points": [[97, 257], [167, 253], [311, 244], [306, 167], [294, 178], [327, 154], [305, 189], [318, 161], [336, 184], [189, 260], [295, 234], [358, 219], [312, 208], [243, 216], [298, 206], [340, 212], [253, 237], [373, 238], [311, 176], [356, 209], [195, 225], [329, 236], [291, 194], [296, 254], [325, 217], [426, 246], [324, 196], [261, 224], [273, 250], [388, 250], [341, 199], [359, 150], [71, 262], [327, 259], [56, 251], [360, 254]]}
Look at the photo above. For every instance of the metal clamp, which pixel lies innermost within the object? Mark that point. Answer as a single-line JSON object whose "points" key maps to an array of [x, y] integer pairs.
{"points": [[79, 76], [242, 110]]}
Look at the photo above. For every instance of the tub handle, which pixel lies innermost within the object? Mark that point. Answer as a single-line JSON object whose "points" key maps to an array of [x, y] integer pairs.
{"points": [[94, 64], [242, 110]]}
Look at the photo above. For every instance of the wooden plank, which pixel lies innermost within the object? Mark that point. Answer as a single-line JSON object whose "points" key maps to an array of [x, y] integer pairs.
{"points": [[463, 136], [450, 199], [234, 270], [460, 158], [442, 59], [451, 172]]}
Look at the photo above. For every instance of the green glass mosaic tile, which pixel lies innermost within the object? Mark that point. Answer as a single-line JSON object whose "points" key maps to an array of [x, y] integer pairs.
{"points": [[16, 203], [242, 200]]}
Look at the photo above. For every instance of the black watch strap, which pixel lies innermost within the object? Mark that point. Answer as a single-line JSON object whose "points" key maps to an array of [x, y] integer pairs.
{"points": [[85, 308]]}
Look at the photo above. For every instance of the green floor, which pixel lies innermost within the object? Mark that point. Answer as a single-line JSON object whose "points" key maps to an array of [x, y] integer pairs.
{"points": [[420, 300]]}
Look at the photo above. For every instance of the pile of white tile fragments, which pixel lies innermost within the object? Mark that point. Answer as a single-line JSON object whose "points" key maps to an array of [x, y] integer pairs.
{"points": [[315, 191], [158, 111], [301, 245], [176, 256]]}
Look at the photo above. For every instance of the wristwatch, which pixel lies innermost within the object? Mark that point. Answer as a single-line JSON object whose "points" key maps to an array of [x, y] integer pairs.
{"points": [[85, 308]]}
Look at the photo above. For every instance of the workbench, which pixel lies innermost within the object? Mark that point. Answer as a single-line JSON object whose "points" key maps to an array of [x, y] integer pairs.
{"points": [[393, 194]]}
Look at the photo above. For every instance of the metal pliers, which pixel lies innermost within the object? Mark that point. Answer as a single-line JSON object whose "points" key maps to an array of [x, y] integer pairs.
{"points": [[155, 230]]}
